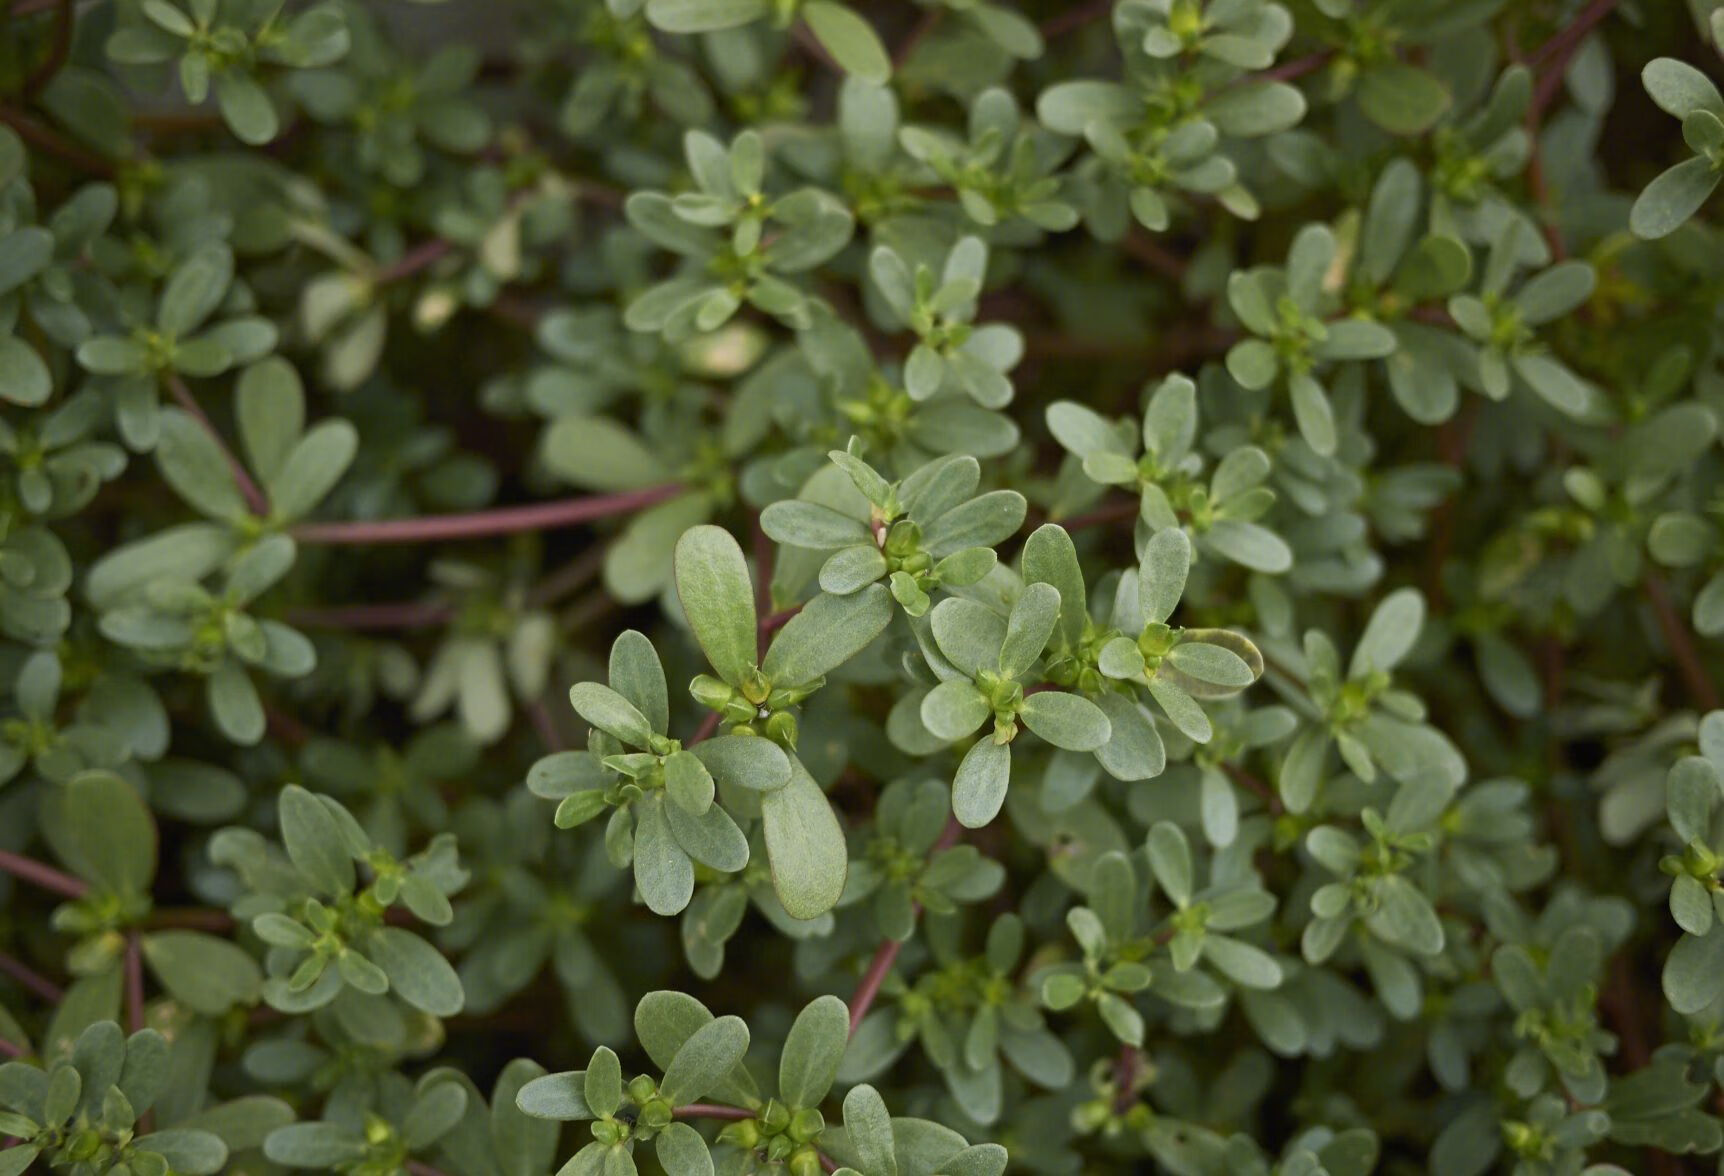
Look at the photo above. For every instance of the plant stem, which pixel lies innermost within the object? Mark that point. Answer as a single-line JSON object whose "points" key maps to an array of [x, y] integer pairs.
{"points": [[505, 520], [1552, 58], [1113, 512], [707, 726], [28, 977], [407, 614], [1682, 648], [711, 1111], [54, 143], [58, 50], [249, 489], [421, 257], [44, 876], [134, 983], [887, 953], [878, 969], [1075, 18], [10, 1049]]}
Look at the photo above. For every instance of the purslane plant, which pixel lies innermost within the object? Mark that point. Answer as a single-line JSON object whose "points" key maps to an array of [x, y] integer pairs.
{"points": [[728, 587]]}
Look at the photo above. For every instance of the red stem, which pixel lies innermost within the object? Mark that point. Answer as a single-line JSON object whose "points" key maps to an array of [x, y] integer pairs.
{"points": [[31, 979], [249, 489], [1111, 513], [421, 256], [1681, 645], [54, 143], [409, 614], [887, 953], [711, 1111], [10, 1049], [47, 877], [878, 969], [58, 50], [506, 520], [707, 726], [1553, 56], [134, 983]]}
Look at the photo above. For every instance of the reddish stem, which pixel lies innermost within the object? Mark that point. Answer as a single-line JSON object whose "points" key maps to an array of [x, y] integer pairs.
{"points": [[58, 50], [249, 489], [134, 983], [54, 143], [1553, 56], [10, 1049], [712, 1111], [1682, 648], [45, 876], [703, 732], [409, 614], [506, 520], [1111, 513], [878, 969], [1075, 18], [887, 953], [1297, 68], [31, 979], [420, 257]]}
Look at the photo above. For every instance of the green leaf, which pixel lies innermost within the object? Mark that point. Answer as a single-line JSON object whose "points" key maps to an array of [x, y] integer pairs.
{"points": [[1389, 634], [637, 674], [1161, 574], [829, 631], [868, 1126], [1066, 720], [808, 524], [1028, 628], [718, 598], [1050, 557], [979, 789], [101, 829], [1170, 859], [1679, 88], [610, 712], [556, 1096], [804, 845], [1694, 972], [246, 108], [1404, 917], [312, 468], [851, 40], [704, 1060], [954, 709], [683, 1152], [417, 972], [596, 453], [968, 634], [314, 842], [1673, 196], [193, 463], [1401, 98], [700, 16], [603, 1084], [663, 871], [745, 761], [24, 378], [812, 1052], [206, 974]]}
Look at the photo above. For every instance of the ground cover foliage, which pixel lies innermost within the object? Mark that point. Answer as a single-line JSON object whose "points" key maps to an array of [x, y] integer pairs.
{"points": [[907, 589]]}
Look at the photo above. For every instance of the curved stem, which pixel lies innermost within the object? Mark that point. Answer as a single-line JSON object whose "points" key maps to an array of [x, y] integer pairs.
{"points": [[27, 977], [711, 1111], [248, 488], [506, 520], [44, 876]]}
